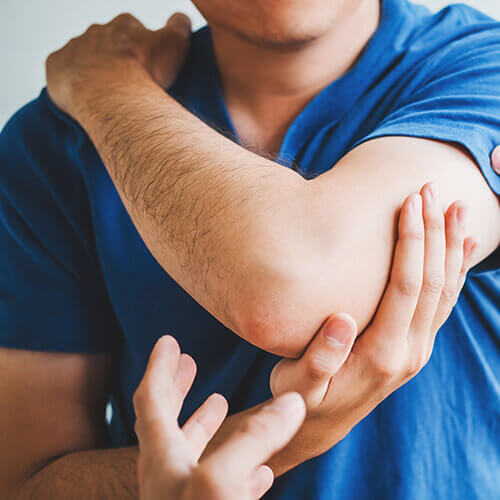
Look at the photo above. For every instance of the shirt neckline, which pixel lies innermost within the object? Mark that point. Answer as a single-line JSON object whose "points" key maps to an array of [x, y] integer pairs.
{"points": [[327, 107]]}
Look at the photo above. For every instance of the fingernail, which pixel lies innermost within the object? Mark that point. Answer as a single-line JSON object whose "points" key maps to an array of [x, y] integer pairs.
{"points": [[339, 331], [289, 404], [495, 159], [461, 214], [433, 191]]}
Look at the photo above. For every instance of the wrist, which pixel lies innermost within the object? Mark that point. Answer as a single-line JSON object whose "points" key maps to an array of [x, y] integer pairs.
{"points": [[102, 88]]}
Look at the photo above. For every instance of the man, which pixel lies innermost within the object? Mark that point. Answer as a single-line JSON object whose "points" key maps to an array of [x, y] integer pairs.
{"points": [[267, 254]]}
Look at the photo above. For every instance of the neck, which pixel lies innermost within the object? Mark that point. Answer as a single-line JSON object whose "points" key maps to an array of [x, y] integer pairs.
{"points": [[265, 88]]}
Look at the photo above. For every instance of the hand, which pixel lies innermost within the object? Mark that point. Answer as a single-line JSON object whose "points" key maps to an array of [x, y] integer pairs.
{"points": [[168, 463], [341, 386], [113, 53]]}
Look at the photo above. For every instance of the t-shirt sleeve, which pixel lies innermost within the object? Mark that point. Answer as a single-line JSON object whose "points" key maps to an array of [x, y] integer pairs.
{"points": [[454, 96], [52, 295]]}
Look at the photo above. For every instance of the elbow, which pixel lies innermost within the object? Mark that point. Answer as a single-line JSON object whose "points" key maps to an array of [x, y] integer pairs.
{"points": [[280, 303], [265, 330], [272, 314]]}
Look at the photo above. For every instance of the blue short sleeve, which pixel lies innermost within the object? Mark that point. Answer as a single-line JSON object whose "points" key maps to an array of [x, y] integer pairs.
{"points": [[454, 95], [52, 296]]}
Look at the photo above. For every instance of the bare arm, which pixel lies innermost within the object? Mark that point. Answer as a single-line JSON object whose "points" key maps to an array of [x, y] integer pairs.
{"points": [[51, 424], [267, 253]]}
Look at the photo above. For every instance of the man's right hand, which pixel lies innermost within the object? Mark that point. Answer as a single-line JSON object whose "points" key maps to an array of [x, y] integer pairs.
{"points": [[116, 52], [342, 380]]}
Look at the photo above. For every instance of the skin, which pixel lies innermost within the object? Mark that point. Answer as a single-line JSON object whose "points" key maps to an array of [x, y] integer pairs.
{"points": [[271, 65], [337, 378], [171, 464], [211, 215], [38, 472]]}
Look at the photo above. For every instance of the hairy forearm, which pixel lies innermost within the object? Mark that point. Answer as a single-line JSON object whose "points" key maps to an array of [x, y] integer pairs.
{"points": [[267, 253], [97, 474], [208, 210]]}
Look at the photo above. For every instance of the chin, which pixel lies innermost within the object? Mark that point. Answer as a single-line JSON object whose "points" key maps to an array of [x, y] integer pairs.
{"points": [[272, 23], [283, 36]]}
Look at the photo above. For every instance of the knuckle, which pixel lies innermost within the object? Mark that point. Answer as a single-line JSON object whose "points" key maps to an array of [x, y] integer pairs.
{"points": [[415, 364], [434, 224], [125, 18], [455, 243], [412, 234], [317, 367], [384, 367], [433, 283], [93, 27], [449, 293], [143, 397], [409, 286]]}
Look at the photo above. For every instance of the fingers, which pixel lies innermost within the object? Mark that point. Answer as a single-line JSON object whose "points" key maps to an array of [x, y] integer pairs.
{"points": [[128, 35], [204, 423], [184, 378], [310, 375], [261, 481], [455, 234], [156, 399], [171, 44], [128, 20], [162, 367], [434, 262], [260, 436], [165, 384], [180, 22], [495, 159], [395, 313], [470, 246]]}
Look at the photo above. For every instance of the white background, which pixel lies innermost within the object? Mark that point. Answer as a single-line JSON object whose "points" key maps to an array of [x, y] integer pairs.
{"points": [[31, 29]]}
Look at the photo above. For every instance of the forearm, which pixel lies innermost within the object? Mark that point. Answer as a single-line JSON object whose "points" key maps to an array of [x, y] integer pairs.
{"points": [[98, 474], [267, 253], [210, 212]]}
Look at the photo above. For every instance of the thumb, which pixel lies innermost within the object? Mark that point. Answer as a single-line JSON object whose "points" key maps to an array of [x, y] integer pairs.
{"points": [[310, 375], [170, 47], [495, 159]]}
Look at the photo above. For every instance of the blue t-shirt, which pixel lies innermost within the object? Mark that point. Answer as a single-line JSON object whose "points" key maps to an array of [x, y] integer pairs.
{"points": [[76, 277]]}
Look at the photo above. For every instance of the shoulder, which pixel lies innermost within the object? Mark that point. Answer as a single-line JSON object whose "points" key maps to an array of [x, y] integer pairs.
{"points": [[42, 146], [455, 32], [39, 126], [452, 53], [43, 157]]}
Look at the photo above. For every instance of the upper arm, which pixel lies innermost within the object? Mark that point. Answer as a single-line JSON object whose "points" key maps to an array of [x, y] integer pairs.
{"points": [[359, 201], [442, 125], [52, 404], [52, 293], [339, 260]]}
